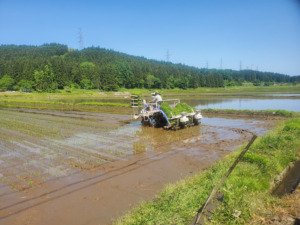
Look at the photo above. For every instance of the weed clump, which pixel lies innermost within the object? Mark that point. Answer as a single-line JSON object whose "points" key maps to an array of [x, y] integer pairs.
{"points": [[257, 159], [293, 125]]}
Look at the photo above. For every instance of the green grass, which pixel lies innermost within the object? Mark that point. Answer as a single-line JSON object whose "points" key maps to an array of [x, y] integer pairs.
{"points": [[54, 100], [226, 91], [239, 90], [5, 102], [235, 91], [246, 191], [116, 108], [103, 104], [33, 102], [282, 113]]}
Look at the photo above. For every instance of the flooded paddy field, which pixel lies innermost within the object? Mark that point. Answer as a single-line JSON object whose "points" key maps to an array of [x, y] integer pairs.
{"points": [[67, 167], [274, 102]]}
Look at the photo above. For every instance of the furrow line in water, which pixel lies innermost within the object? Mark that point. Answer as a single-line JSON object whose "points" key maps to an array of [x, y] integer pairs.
{"points": [[80, 150], [31, 162]]}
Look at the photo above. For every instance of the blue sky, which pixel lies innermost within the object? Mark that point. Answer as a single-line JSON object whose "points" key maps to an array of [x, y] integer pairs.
{"points": [[257, 34]]}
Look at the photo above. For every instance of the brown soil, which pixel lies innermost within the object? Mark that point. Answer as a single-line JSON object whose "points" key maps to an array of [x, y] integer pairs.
{"points": [[292, 207], [286, 213], [90, 168]]}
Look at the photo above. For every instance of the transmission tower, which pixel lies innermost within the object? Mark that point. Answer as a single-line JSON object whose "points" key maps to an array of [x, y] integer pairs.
{"points": [[221, 64], [80, 39], [240, 65], [168, 57]]}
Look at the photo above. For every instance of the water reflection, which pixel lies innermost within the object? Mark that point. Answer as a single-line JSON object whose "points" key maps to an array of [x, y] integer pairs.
{"points": [[282, 95], [245, 103], [290, 104]]}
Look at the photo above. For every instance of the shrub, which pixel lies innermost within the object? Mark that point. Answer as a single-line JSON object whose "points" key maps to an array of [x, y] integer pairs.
{"points": [[6, 83]]}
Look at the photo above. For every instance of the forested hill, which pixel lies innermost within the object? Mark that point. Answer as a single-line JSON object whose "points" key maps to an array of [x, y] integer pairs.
{"points": [[52, 66]]}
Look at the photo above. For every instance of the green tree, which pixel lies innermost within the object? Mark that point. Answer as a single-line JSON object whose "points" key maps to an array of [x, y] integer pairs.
{"points": [[182, 83], [6, 83], [193, 81], [157, 83], [86, 84], [40, 84], [170, 82], [87, 69], [25, 85], [141, 83], [109, 78], [256, 82], [150, 80], [124, 75], [72, 66], [44, 79]]}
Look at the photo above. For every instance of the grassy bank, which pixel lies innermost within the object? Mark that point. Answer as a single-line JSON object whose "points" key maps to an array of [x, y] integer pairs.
{"points": [[246, 192], [117, 102], [83, 106], [234, 91], [227, 91], [116, 107], [252, 113]]}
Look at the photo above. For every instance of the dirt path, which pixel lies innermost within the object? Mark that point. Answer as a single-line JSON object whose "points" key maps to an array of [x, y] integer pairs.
{"points": [[90, 168]]}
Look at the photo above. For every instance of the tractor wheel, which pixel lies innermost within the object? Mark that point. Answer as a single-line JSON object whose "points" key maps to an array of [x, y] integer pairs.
{"points": [[182, 125], [160, 120], [196, 122], [145, 123]]}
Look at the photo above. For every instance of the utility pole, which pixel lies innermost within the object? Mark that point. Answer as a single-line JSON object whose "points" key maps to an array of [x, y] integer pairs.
{"points": [[80, 39]]}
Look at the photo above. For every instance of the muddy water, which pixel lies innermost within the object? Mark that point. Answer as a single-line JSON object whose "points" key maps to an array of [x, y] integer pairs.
{"points": [[87, 168]]}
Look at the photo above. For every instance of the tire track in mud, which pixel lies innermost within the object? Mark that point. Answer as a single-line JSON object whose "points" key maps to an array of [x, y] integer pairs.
{"points": [[206, 142], [88, 182], [60, 156], [51, 150]]}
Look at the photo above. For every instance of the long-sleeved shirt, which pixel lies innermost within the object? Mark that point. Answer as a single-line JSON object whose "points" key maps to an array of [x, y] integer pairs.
{"points": [[156, 98]]}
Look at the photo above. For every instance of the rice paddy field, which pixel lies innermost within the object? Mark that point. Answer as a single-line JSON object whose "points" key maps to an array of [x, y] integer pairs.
{"points": [[45, 154], [69, 160]]}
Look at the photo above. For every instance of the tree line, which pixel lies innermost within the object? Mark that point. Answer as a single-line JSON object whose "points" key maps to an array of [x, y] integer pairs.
{"points": [[49, 67]]}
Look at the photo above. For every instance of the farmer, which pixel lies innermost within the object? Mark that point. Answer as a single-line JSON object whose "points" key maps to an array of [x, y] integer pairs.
{"points": [[157, 98]]}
